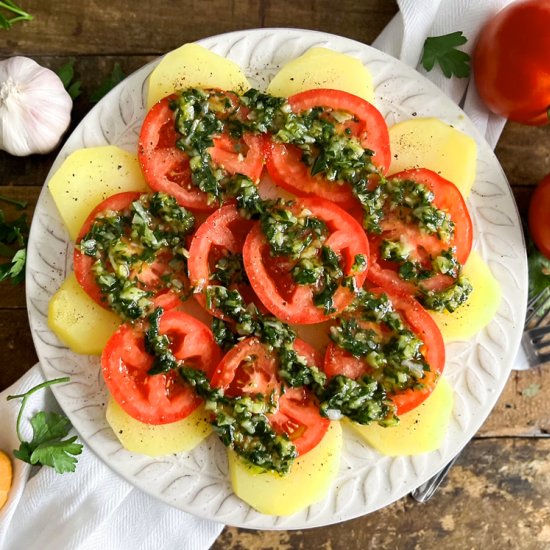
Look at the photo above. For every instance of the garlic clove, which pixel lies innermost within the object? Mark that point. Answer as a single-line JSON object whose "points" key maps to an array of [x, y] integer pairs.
{"points": [[35, 108]]}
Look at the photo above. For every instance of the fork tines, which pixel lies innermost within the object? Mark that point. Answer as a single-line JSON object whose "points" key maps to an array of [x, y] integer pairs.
{"points": [[534, 339], [537, 304]]}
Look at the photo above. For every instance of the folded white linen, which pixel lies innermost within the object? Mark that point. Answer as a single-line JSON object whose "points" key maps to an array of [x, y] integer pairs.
{"points": [[89, 509], [416, 20]]}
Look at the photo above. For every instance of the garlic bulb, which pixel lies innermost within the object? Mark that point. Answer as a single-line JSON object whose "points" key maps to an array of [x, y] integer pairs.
{"points": [[35, 108]]}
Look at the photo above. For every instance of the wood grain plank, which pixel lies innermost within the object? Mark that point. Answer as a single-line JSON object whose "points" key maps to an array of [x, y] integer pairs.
{"points": [[524, 153], [496, 496], [126, 28], [523, 408], [17, 354]]}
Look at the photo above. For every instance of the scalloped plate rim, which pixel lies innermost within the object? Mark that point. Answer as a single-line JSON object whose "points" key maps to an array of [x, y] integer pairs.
{"points": [[436, 459]]}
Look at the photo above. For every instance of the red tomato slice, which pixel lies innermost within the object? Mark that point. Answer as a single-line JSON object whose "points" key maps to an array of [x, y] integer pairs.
{"points": [[271, 277], [447, 198], [250, 368], [150, 276], [284, 161], [539, 216], [223, 233], [339, 361], [166, 167], [158, 398]]}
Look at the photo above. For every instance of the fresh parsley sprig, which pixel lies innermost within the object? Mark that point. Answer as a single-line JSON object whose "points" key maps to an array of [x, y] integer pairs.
{"points": [[47, 446], [13, 242], [6, 22], [444, 51]]}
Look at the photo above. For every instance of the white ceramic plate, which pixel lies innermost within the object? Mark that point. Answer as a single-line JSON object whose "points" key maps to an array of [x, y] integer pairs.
{"points": [[198, 482]]}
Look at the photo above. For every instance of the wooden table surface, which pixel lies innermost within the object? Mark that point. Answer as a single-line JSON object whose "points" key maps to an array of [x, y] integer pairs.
{"points": [[498, 494]]}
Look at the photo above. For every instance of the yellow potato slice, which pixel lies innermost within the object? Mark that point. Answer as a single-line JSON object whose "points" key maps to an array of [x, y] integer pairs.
{"points": [[419, 431], [78, 321], [89, 176], [6, 477], [158, 440], [192, 65], [480, 308], [430, 143], [308, 481], [323, 68]]}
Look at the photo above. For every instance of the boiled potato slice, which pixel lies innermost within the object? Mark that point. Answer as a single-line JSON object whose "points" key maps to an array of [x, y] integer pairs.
{"points": [[308, 481], [419, 431], [6, 477], [323, 68], [78, 321], [430, 143], [158, 440], [480, 308], [192, 65], [89, 176]]}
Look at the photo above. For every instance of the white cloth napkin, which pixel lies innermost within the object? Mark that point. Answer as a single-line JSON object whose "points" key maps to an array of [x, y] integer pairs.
{"points": [[404, 38], [90, 509], [416, 20]]}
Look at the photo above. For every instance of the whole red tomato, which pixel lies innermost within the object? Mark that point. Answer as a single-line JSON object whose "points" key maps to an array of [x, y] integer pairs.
{"points": [[539, 216], [512, 62]]}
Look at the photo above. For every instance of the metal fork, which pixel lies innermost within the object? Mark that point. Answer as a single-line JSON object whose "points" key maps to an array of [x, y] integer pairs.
{"points": [[537, 349], [537, 324]]}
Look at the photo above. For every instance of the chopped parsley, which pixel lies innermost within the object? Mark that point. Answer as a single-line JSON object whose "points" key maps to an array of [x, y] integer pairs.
{"points": [[229, 270], [124, 244], [240, 422], [391, 354]]}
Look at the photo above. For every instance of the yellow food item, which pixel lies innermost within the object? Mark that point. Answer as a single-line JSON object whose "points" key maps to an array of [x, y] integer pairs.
{"points": [[419, 431], [158, 440], [89, 176], [78, 321], [480, 308], [308, 481], [322, 68], [6, 477], [192, 65], [431, 143]]}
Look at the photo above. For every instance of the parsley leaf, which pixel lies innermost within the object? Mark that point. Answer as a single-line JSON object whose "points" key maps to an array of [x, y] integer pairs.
{"points": [[109, 83], [20, 15], [47, 446], [66, 74], [443, 51], [13, 240], [15, 268], [60, 455]]}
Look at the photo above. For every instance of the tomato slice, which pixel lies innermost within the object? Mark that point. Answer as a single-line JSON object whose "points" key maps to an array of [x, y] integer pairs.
{"points": [[151, 276], [447, 198], [166, 167], [250, 368], [284, 163], [339, 361], [158, 398], [222, 235], [271, 277]]}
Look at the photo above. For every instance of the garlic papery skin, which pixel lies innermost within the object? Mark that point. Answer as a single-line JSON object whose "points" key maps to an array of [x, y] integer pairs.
{"points": [[35, 108]]}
